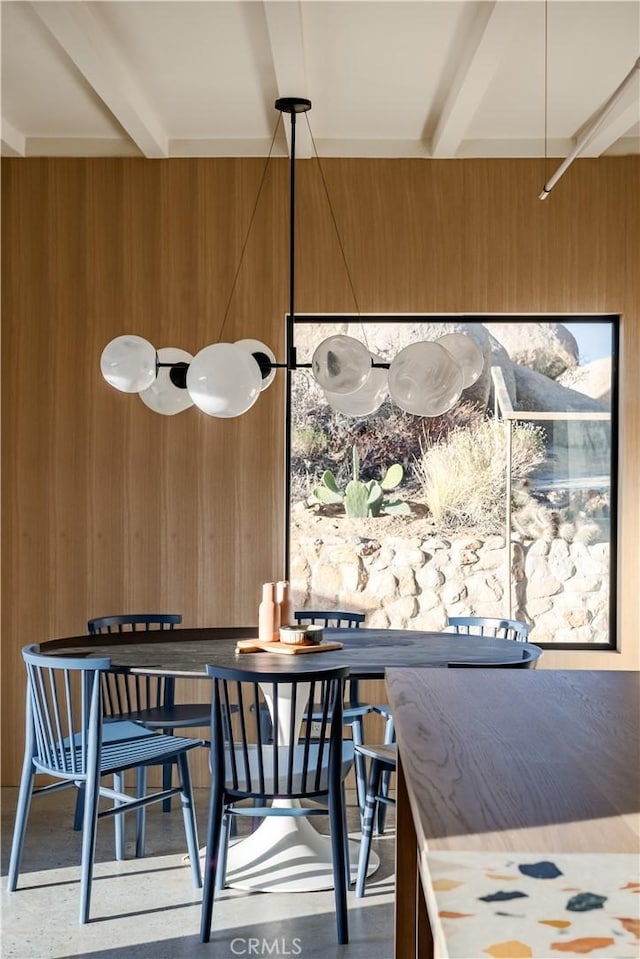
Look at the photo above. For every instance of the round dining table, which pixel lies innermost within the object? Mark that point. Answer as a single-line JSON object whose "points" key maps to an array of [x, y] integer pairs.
{"points": [[287, 854], [367, 652]]}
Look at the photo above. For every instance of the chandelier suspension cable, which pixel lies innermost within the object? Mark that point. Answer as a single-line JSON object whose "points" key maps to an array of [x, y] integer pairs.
{"points": [[251, 219], [546, 84], [333, 218]]}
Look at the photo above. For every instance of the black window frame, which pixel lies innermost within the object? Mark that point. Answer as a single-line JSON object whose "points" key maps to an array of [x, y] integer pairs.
{"points": [[292, 365]]}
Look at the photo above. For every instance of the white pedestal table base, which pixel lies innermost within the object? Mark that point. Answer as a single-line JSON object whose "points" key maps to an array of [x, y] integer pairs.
{"points": [[287, 854]]}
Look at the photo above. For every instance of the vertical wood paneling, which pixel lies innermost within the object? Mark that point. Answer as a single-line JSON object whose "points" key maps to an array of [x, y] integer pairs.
{"points": [[108, 507], [27, 378], [66, 472]]}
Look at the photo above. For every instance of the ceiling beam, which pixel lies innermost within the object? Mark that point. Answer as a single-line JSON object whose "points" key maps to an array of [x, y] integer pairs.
{"points": [[14, 143], [614, 128], [84, 39], [490, 35], [286, 38]]}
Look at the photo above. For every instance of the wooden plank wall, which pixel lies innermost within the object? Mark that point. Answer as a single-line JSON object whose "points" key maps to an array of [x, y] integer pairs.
{"points": [[108, 507]]}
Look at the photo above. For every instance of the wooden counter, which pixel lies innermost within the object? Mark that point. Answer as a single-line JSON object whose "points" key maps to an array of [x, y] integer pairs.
{"points": [[509, 761]]}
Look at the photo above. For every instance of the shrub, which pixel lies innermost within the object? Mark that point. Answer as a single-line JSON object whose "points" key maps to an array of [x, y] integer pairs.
{"points": [[322, 439], [463, 478], [392, 436], [309, 442]]}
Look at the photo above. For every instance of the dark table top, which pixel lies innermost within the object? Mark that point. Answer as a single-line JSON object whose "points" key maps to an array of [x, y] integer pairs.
{"points": [[367, 652]]}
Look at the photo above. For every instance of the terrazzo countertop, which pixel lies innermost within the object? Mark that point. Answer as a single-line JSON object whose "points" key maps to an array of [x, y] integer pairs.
{"points": [[516, 906]]}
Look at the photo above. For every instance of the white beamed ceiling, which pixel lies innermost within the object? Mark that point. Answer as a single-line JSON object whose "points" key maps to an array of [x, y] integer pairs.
{"points": [[387, 78]]}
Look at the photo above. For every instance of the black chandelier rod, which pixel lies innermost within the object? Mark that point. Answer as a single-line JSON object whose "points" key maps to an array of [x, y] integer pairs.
{"points": [[178, 374], [292, 106], [292, 219]]}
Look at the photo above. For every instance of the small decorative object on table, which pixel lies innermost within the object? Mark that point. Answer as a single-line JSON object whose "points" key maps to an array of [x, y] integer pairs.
{"points": [[283, 599], [314, 633], [268, 615], [300, 635]]}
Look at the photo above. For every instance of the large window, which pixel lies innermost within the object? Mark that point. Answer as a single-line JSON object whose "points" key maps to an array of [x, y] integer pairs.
{"points": [[502, 506]]}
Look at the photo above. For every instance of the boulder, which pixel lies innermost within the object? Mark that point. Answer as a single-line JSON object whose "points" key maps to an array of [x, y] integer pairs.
{"points": [[535, 391], [593, 379], [548, 348]]}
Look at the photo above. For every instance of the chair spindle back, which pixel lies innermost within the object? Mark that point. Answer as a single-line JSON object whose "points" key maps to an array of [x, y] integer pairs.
{"points": [[292, 764], [64, 705]]}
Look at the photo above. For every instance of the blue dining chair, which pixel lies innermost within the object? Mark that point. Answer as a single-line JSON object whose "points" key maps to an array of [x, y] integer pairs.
{"points": [[354, 711], [64, 741], [382, 763], [307, 765], [148, 700], [513, 629]]}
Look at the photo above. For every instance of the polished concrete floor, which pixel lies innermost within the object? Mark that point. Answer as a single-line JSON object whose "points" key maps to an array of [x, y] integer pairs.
{"points": [[148, 909]]}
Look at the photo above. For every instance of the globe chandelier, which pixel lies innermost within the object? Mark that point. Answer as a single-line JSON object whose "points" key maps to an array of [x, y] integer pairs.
{"points": [[225, 380]]}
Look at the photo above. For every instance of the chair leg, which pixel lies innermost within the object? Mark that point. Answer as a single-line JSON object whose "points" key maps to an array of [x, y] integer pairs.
{"points": [[381, 817], [338, 839], [347, 855], [367, 826], [79, 810], [389, 738], [141, 812], [89, 830], [166, 784], [118, 821], [167, 771], [20, 826], [357, 735], [211, 863], [189, 816], [221, 871]]}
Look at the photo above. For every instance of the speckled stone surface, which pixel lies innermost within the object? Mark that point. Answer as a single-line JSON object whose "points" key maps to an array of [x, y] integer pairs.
{"points": [[528, 906], [148, 909]]}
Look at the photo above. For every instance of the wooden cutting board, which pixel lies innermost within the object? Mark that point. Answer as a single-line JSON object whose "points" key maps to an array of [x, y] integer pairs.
{"points": [[256, 645]]}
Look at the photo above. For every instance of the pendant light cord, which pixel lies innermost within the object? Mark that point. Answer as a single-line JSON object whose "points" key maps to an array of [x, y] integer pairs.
{"points": [[333, 217], [546, 83], [252, 218]]}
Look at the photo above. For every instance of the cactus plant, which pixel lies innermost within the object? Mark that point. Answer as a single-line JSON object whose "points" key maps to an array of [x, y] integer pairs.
{"points": [[362, 499]]}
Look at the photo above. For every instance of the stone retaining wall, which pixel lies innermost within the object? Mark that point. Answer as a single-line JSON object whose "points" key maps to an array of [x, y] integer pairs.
{"points": [[560, 588]]}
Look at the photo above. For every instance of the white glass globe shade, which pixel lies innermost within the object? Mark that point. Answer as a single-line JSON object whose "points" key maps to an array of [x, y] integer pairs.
{"points": [[255, 346], [425, 379], [341, 364], [163, 396], [224, 380], [367, 399], [467, 355], [128, 363]]}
